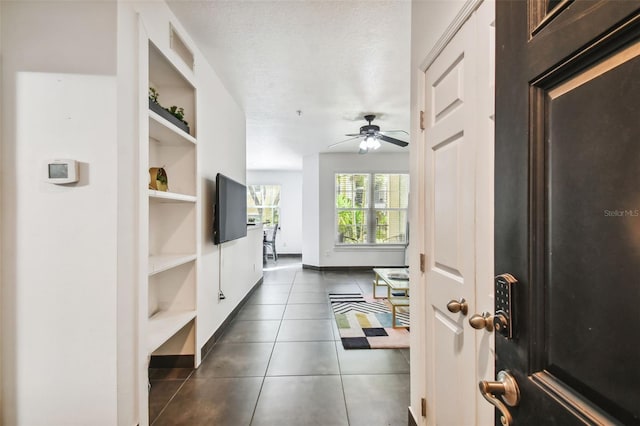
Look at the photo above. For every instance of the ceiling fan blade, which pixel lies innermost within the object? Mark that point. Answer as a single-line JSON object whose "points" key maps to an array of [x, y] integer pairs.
{"points": [[354, 134], [346, 140], [393, 131], [393, 140]]}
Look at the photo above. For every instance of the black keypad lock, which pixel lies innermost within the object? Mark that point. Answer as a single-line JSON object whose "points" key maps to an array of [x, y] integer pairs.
{"points": [[503, 320]]}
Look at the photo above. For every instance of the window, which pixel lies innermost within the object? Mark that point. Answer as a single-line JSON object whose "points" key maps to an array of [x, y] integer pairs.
{"points": [[263, 204], [371, 208]]}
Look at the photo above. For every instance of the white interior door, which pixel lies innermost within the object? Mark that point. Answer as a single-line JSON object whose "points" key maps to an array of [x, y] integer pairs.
{"points": [[450, 275], [459, 215]]}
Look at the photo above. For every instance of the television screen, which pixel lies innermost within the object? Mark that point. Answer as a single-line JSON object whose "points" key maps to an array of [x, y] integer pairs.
{"points": [[230, 217]]}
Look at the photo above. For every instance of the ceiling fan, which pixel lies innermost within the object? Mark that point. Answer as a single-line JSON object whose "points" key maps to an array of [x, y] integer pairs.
{"points": [[371, 136]]}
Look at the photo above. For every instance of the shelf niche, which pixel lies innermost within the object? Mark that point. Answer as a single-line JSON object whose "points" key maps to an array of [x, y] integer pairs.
{"points": [[171, 306], [173, 87]]}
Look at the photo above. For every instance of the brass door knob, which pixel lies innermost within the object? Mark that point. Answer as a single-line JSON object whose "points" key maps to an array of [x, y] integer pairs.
{"points": [[456, 306], [480, 321], [507, 389]]}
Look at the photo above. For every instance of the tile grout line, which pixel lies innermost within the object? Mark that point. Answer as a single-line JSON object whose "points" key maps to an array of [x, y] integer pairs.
{"points": [[273, 348], [255, 406], [171, 399], [344, 394], [335, 347]]}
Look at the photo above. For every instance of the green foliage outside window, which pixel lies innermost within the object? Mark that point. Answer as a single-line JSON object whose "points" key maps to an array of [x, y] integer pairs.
{"points": [[351, 203], [372, 214]]}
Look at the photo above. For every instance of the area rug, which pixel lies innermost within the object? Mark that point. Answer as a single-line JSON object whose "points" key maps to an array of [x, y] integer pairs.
{"points": [[365, 323]]}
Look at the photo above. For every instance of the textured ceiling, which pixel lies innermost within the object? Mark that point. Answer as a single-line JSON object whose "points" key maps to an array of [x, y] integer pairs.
{"points": [[333, 60]]}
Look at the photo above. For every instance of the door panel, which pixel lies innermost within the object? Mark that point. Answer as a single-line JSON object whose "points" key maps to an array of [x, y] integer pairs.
{"points": [[447, 90], [450, 337], [575, 27], [592, 239], [446, 248], [568, 208]]}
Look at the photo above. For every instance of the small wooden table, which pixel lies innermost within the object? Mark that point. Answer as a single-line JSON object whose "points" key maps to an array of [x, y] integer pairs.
{"points": [[395, 279]]}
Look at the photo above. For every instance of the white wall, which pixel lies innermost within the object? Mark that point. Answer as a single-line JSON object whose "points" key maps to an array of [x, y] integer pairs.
{"points": [[59, 243], [70, 88], [221, 149], [328, 253], [289, 238], [241, 269], [429, 21], [311, 210]]}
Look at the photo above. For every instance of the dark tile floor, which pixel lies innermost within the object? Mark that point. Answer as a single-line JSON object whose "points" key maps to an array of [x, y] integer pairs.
{"points": [[281, 363]]}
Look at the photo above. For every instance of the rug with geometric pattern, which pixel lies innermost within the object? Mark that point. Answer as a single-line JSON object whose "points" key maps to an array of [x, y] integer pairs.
{"points": [[366, 323]]}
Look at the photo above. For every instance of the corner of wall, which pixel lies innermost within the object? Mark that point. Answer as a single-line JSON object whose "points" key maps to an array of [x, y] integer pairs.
{"points": [[310, 210], [127, 212]]}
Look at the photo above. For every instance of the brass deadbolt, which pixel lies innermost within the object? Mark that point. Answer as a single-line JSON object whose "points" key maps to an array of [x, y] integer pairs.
{"points": [[480, 321]]}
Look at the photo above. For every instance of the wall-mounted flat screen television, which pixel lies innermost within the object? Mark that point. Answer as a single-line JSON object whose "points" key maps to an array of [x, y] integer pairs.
{"points": [[230, 216]]}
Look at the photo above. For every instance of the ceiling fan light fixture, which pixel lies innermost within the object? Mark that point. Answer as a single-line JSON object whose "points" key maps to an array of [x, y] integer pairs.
{"points": [[370, 142], [371, 137]]}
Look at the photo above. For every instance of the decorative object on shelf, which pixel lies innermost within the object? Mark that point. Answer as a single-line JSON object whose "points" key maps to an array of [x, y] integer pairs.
{"points": [[158, 179], [174, 114]]}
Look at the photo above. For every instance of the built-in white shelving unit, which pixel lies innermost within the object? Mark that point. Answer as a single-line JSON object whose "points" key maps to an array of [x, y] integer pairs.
{"points": [[169, 221], [169, 197], [165, 133], [172, 215], [165, 324], [165, 262]]}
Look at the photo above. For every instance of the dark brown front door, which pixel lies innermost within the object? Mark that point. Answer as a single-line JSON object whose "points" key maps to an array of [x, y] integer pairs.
{"points": [[567, 207]]}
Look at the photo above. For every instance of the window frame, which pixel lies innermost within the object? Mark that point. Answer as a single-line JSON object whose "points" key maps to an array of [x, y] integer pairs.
{"points": [[276, 208], [370, 211]]}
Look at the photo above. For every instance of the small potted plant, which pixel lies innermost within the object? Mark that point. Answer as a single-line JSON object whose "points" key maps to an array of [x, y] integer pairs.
{"points": [[174, 114]]}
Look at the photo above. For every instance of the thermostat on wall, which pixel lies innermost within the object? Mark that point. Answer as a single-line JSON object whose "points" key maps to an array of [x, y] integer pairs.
{"points": [[62, 171]]}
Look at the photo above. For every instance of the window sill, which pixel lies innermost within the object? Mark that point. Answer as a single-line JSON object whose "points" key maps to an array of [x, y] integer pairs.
{"points": [[358, 247]]}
